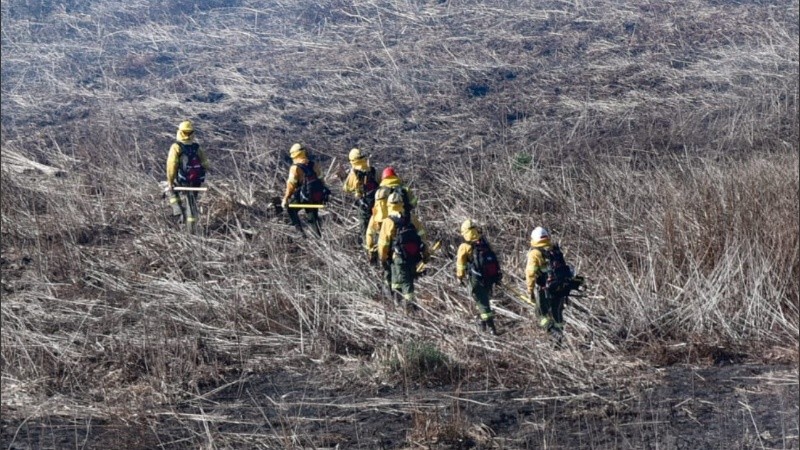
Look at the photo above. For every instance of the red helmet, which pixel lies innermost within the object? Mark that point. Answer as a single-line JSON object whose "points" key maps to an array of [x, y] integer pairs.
{"points": [[388, 172]]}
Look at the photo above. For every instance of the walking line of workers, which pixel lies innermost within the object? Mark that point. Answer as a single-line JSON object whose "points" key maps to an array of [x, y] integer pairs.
{"points": [[392, 235]]}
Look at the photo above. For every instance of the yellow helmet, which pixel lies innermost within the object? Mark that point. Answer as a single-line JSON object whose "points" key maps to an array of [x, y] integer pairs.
{"points": [[296, 150], [467, 225], [395, 198], [186, 127], [355, 154], [381, 194]]}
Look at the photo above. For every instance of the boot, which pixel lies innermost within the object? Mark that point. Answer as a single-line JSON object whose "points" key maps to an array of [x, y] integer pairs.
{"points": [[386, 292], [490, 324], [556, 335], [175, 202]]}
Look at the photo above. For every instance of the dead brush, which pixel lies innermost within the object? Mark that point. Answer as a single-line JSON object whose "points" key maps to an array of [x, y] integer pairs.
{"points": [[665, 162]]}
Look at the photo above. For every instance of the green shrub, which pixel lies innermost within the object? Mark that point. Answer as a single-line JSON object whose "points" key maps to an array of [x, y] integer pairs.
{"points": [[418, 360], [522, 161]]}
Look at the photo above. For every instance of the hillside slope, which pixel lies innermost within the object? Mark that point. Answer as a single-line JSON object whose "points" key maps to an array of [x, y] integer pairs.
{"points": [[657, 140]]}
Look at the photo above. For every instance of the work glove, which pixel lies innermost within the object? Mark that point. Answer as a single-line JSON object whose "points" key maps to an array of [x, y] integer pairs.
{"points": [[284, 203]]}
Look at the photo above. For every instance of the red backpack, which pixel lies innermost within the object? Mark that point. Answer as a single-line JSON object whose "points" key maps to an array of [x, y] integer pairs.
{"points": [[191, 171], [407, 243], [313, 190], [484, 264]]}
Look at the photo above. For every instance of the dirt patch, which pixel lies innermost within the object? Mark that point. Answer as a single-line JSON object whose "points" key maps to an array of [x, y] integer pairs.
{"points": [[734, 406]]}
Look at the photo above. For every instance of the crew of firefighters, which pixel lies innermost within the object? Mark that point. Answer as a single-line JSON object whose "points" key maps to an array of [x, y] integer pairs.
{"points": [[392, 235]]}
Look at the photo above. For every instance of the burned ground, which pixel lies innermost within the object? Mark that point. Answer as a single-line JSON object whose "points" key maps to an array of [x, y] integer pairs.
{"points": [[657, 141]]}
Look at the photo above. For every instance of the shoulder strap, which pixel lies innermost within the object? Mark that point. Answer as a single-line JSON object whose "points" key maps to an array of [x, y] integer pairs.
{"points": [[308, 169], [188, 149]]}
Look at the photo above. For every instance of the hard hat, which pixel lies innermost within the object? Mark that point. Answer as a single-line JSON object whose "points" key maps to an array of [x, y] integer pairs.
{"points": [[395, 198], [388, 172], [296, 150], [355, 154], [539, 233], [381, 194], [467, 225], [186, 127]]}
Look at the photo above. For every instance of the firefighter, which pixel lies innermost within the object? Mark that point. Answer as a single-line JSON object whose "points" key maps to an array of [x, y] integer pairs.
{"points": [[304, 186], [477, 262], [390, 182], [186, 167], [401, 246], [361, 183], [549, 281]]}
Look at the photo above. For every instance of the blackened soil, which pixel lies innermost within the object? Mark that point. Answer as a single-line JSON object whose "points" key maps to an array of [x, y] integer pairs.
{"points": [[736, 406]]}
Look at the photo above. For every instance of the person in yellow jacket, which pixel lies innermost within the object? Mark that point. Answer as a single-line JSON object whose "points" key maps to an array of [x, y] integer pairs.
{"points": [[304, 185], [390, 182], [361, 183], [186, 167], [477, 262], [537, 271], [401, 246]]}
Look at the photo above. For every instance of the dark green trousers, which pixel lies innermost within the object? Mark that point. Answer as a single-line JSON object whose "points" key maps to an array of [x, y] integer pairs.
{"points": [[363, 221], [312, 217], [481, 294], [551, 310], [184, 203], [403, 275]]}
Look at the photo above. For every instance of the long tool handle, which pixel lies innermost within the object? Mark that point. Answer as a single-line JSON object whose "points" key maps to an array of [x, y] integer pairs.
{"points": [[518, 294], [301, 205], [181, 188]]}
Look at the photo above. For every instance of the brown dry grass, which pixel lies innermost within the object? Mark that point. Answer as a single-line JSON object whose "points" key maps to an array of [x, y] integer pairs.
{"points": [[659, 141]]}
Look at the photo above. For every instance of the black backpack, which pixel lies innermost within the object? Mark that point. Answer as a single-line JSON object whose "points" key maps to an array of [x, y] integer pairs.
{"points": [[369, 184], [190, 171], [557, 279], [313, 190], [484, 265], [407, 243]]}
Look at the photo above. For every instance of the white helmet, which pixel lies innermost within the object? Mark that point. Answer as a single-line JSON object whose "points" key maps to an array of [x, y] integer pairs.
{"points": [[539, 233]]}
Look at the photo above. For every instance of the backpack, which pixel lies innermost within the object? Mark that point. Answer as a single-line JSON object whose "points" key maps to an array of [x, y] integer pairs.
{"points": [[313, 190], [557, 279], [407, 244], [190, 171], [369, 184], [484, 265]]}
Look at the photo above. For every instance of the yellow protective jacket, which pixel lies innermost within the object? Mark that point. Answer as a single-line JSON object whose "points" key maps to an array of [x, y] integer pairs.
{"points": [[389, 231], [536, 262], [296, 176], [174, 157], [464, 255], [353, 184], [380, 211]]}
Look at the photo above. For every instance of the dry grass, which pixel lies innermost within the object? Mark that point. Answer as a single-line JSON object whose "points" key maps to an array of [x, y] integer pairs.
{"points": [[663, 153]]}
